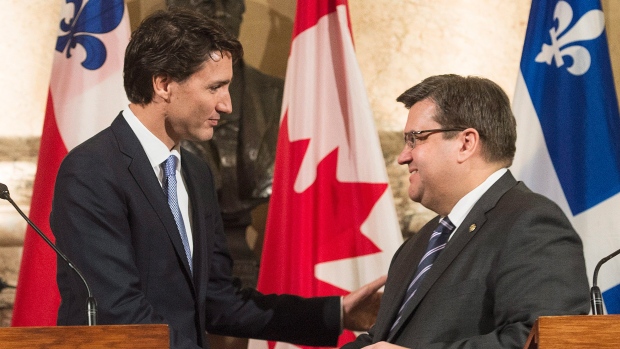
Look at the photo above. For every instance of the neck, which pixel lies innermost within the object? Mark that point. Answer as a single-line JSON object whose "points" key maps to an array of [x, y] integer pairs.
{"points": [[154, 120], [465, 183]]}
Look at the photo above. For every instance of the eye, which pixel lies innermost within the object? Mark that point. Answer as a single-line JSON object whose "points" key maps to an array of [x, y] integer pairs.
{"points": [[214, 88]]}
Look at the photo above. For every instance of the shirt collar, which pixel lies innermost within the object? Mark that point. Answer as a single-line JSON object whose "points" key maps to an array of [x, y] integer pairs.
{"points": [[467, 202], [156, 151]]}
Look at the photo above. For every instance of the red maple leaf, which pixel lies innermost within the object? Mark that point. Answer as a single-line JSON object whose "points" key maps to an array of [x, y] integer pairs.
{"points": [[320, 224]]}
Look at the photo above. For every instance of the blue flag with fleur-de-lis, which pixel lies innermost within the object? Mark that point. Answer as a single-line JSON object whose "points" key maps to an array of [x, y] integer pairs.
{"points": [[88, 20], [568, 127]]}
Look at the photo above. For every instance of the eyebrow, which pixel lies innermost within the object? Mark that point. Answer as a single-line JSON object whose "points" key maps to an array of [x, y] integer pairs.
{"points": [[219, 83]]}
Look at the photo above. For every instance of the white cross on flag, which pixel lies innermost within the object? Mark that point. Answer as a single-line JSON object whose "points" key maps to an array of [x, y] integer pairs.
{"points": [[568, 127]]}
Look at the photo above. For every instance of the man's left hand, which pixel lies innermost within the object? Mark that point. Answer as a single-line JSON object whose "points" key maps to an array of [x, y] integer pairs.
{"points": [[361, 306]]}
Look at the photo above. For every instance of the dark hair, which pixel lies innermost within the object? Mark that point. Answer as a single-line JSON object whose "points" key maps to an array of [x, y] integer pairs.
{"points": [[176, 43], [228, 13], [473, 102]]}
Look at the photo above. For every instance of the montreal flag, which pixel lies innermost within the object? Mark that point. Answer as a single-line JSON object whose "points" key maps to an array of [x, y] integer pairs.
{"points": [[568, 127]]}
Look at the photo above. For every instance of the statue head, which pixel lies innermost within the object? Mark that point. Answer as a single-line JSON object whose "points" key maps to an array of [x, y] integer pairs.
{"points": [[228, 13]]}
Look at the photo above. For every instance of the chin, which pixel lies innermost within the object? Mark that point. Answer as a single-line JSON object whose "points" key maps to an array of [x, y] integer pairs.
{"points": [[415, 198], [414, 195], [204, 136]]}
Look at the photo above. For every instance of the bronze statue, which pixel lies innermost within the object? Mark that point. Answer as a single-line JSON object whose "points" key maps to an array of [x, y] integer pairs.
{"points": [[242, 151]]}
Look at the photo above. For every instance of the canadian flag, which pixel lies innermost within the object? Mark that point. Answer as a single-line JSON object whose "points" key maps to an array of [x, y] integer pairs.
{"points": [[86, 93], [332, 226]]}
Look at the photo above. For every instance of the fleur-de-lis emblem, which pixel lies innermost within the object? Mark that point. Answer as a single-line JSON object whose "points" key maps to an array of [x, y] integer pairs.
{"points": [[93, 17], [589, 26]]}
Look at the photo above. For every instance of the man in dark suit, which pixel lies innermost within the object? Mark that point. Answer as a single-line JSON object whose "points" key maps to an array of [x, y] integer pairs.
{"points": [[498, 256], [139, 215]]}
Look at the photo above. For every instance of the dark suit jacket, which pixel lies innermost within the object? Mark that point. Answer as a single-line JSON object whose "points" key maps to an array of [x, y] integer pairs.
{"points": [[514, 258], [111, 218]]}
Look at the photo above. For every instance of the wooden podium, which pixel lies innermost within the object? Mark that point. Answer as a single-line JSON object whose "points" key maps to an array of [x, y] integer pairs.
{"points": [[575, 332], [104, 336]]}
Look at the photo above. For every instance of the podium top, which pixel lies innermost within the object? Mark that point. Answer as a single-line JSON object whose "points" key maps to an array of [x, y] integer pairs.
{"points": [[575, 332], [104, 336]]}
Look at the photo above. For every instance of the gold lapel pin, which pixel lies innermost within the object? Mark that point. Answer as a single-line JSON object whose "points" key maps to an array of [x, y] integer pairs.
{"points": [[472, 227]]}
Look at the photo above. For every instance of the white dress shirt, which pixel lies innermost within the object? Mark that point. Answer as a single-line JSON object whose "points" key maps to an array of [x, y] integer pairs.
{"points": [[467, 202], [157, 153]]}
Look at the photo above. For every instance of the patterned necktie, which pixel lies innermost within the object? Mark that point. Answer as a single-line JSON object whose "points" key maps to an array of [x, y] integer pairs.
{"points": [[436, 244], [170, 188]]}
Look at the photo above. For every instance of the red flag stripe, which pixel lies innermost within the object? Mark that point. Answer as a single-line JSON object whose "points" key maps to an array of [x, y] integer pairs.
{"points": [[310, 11], [37, 297]]}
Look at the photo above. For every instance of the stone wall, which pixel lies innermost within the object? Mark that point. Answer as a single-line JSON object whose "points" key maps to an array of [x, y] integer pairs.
{"points": [[17, 168]]}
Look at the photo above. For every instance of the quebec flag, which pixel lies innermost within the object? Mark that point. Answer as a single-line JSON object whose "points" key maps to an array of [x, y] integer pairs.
{"points": [[568, 127]]}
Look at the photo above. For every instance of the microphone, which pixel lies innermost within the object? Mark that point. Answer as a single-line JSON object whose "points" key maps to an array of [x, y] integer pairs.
{"points": [[91, 304], [596, 298]]}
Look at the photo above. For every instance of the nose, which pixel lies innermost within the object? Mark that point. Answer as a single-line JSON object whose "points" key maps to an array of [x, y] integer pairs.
{"points": [[405, 156], [225, 104]]}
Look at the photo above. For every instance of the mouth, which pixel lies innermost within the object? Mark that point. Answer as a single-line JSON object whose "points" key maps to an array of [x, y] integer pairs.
{"points": [[213, 121]]}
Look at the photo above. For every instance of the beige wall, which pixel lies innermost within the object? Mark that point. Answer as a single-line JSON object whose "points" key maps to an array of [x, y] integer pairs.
{"points": [[399, 42], [29, 29], [399, 48]]}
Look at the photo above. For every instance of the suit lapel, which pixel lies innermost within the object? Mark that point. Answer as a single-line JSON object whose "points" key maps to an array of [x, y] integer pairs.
{"points": [[195, 178], [198, 209], [140, 168], [474, 221], [401, 280]]}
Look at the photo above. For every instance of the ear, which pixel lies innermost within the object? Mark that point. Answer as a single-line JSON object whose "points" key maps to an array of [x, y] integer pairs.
{"points": [[469, 144], [161, 87]]}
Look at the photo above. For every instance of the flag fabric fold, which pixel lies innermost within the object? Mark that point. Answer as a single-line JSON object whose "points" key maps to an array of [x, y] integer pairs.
{"points": [[332, 225], [568, 127], [86, 93]]}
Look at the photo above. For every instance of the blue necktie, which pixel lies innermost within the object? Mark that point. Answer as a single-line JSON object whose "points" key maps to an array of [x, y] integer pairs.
{"points": [[170, 188], [436, 244]]}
